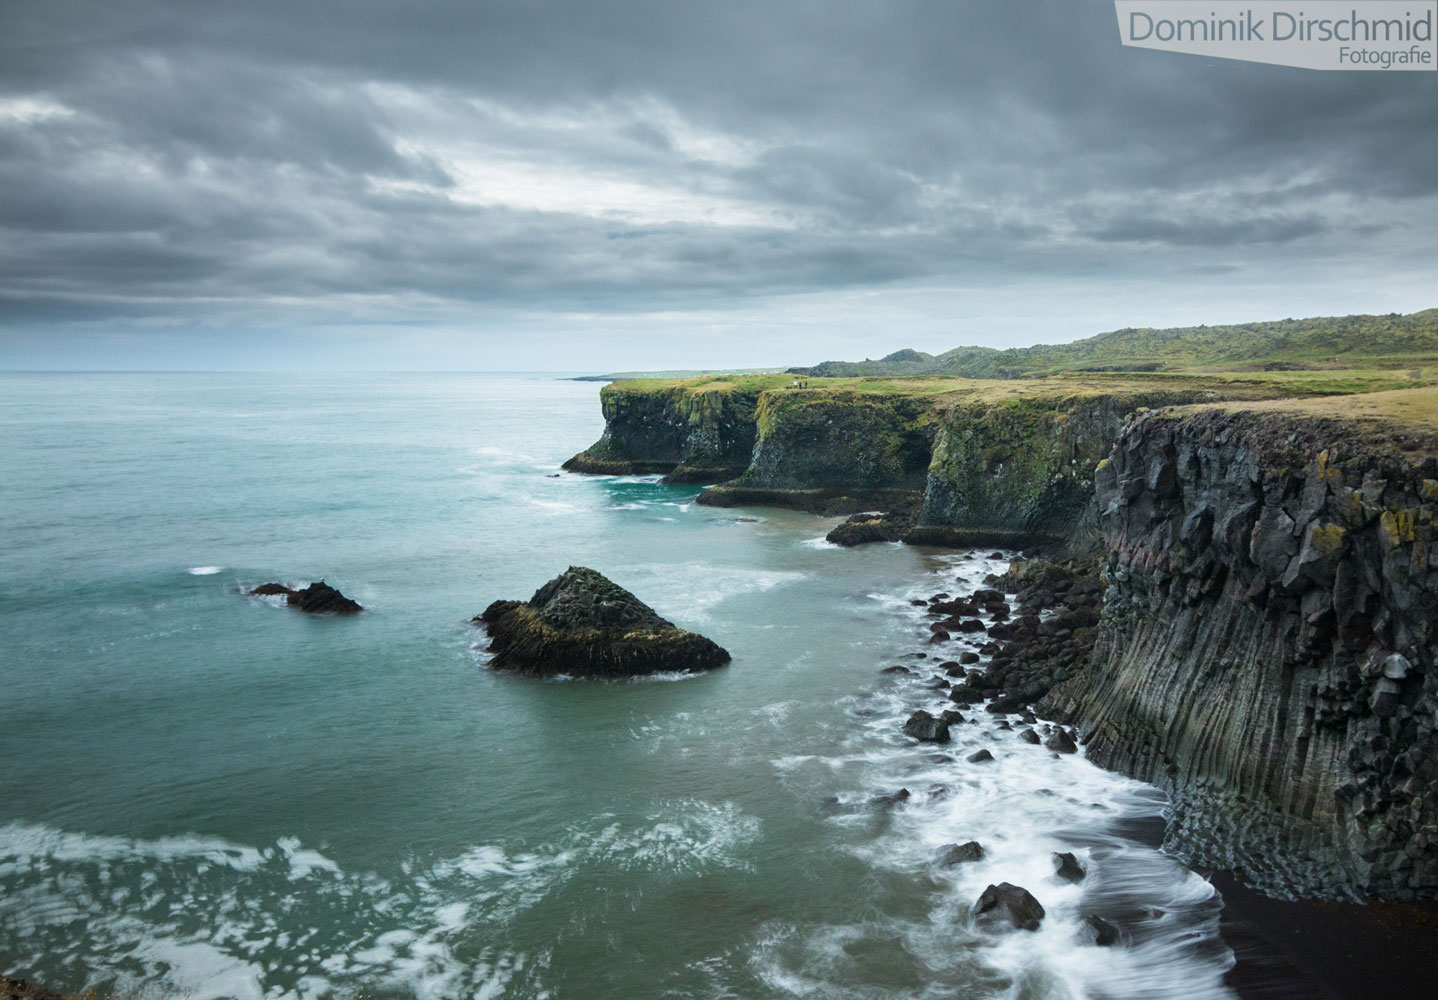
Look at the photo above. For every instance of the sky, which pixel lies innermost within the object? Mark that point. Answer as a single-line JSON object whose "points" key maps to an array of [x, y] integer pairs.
{"points": [[646, 184]]}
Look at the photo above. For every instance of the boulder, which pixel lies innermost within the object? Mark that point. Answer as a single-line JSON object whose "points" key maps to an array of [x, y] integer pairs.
{"points": [[1060, 741], [316, 599], [979, 757], [958, 854], [1011, 902], [580, 623], [1067, 867], [926, 729], [1105, 934]]}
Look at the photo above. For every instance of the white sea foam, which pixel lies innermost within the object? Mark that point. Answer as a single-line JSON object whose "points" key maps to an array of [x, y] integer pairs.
{"points": [[200, 916], [205, 570], [820, 542], [1023, 806]]}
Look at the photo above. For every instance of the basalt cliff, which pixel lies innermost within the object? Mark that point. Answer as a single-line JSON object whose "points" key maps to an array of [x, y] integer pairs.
{"points": [[1247, 557], [1267, 645]]}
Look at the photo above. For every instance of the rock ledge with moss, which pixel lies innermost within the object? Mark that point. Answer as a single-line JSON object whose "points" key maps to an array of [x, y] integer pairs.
{"points": [[582, 624]]}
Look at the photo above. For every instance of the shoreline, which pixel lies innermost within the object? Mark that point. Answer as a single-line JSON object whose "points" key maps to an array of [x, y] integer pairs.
{"points": [[1298, 949]]}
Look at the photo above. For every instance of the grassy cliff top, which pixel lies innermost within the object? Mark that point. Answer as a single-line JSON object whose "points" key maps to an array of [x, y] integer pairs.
{"points": [[1409, 409], [947, 391], [1327, 342]]}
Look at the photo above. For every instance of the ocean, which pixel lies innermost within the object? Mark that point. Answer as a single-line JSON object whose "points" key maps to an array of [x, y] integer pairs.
{"points": [[205, 794]]}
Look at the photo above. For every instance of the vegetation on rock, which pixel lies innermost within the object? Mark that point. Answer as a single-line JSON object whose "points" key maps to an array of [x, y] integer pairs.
{"points": [[582, 624]]}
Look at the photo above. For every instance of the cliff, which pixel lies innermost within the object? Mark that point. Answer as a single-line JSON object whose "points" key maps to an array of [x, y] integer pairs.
{"points": [[1015, 460], [699, 430], [1266, 647], [970, 460]]}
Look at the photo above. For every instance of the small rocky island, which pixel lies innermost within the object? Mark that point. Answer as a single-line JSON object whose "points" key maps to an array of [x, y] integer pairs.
{"points": [[316, 599], [582, 624]]}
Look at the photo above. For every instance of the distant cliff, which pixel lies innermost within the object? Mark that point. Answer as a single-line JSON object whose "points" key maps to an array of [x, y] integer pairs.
{"points": [[1267, 645]]}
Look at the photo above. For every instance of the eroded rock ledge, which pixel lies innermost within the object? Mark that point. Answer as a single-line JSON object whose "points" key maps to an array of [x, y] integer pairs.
{"points": [[581, 623], [1266, 651]]}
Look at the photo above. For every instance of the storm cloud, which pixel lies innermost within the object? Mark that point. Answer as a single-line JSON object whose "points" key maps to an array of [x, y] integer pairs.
{"points": [[673, 183]]}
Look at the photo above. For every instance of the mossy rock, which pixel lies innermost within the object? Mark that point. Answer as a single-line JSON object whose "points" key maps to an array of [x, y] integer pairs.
{"points": [[583, 624]]}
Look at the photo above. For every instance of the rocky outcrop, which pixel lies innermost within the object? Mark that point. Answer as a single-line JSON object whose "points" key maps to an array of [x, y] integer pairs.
{"points": [[582, 624], [691, 433], [1267, 646], [316, 599]]}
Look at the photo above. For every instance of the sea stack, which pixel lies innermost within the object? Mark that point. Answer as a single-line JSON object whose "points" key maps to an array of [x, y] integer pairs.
{"points": [[582, 624]]}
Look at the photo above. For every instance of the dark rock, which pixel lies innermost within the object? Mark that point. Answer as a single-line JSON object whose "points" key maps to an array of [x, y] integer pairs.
{"points": [[939, 636], [1029, 736], [1061, 742], [863, 528], [979, 756], [952, 717], [1067, 867], [971, 625], [1012, 903], [316, 599], [896, 670], [958, 854], [968, 656], [892, 799], [926, 729], [581, 623], [1105, 934]]}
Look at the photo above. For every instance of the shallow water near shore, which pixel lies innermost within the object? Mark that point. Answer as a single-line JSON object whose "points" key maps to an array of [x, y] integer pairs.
{"points": [[210, 795]]}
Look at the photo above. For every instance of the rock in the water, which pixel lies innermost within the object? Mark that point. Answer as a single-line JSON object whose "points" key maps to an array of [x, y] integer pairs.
{"points": [[1105, 934], [892, 799], [1013, 902], [958, 854], [1029, 736], [1061, 741], [979, 756], [862, 528], [1067, 867], [926, 729], [581, 623], [316, 599]]}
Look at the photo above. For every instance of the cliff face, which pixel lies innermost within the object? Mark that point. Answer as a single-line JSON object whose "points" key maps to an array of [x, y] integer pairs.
{"points": [[1024, 466], [1267, 645], [862, 442], [691, 434]]}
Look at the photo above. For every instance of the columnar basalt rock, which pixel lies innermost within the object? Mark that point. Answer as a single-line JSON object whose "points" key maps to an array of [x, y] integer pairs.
{"points": [[1266, 651]]}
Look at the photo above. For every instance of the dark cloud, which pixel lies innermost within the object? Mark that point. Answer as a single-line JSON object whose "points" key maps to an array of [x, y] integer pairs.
{"points": [[343, 160]]}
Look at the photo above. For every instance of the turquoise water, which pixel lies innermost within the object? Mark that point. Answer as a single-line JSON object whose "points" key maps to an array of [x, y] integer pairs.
{"points": [[209, 795]]}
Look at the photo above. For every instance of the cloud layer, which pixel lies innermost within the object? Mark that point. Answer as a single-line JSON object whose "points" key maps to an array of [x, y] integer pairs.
{"points": [[675, 181]]}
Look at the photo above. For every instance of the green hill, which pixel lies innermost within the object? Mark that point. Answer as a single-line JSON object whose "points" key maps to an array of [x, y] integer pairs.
{"points": [[1347, 342]]}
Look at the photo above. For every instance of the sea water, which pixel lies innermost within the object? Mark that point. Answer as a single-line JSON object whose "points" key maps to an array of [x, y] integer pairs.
{"points": [[204, 794]]}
